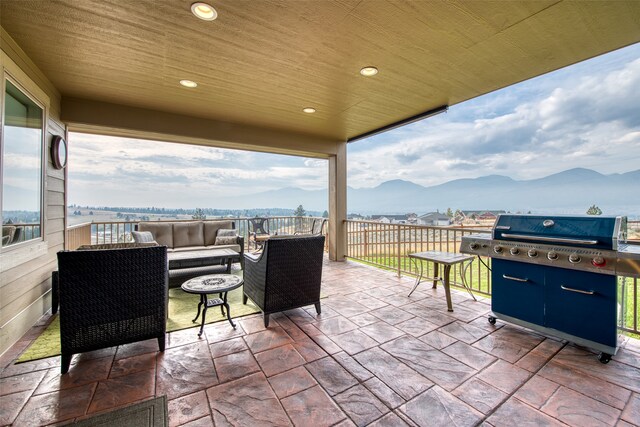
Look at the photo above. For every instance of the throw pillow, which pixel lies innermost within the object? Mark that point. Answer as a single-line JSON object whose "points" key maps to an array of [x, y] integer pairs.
{"points": [[226, 240], [142, 236], [227, 232]]}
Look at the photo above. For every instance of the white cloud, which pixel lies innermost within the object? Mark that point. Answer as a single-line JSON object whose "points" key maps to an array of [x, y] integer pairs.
{"points": [[17, 162], [126, 148], [588, 119], [112, 170]]}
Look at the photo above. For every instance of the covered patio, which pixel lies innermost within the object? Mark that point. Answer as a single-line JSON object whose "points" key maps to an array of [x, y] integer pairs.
{"points": [[373, 357], [294, 77]]}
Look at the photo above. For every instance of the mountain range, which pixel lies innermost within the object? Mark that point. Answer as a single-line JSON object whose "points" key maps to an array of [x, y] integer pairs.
{"points": [[569, 192]]}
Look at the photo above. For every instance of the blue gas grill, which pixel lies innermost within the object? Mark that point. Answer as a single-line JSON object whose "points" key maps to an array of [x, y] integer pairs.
{"points": [[558, 275]]}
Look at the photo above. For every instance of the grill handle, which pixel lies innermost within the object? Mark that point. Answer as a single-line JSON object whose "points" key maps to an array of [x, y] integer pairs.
{"points": [[580, 291], [517, 279], [551, 239]]}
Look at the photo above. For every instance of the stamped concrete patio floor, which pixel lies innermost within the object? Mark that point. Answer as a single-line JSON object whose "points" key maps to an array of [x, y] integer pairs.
{"points": [[374, 357]]}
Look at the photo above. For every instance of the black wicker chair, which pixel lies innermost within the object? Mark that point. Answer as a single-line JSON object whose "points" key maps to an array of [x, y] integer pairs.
{"points": [[286, 275], [315, 227], [111, 297], [258, 227], [318, 226]]}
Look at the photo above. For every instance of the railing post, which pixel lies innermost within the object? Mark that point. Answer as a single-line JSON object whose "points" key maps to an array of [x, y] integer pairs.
{"points": [[366, 243], [399, 256], [635, 301]]}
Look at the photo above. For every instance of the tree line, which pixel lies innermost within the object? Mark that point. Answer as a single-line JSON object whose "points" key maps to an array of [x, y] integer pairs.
{"points": [[196, 213], [210, 212]]}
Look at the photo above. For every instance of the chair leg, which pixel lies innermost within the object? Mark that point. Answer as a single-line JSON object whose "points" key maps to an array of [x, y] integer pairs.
{"points": [[318, 309], [244, 299], [161, 340], [266, 320], [65, 361]]}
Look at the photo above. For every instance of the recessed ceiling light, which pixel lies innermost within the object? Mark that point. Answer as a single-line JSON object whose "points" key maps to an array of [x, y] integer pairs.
{"points": [[188, 83], [309, 110], [204, 11], [369, 71]]}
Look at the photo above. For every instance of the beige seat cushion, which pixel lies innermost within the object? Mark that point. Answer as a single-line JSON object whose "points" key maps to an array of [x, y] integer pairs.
{"points": [[162, 232], [188, 234], [211, 230], [190, 248], [232, 247], [200, 248]]}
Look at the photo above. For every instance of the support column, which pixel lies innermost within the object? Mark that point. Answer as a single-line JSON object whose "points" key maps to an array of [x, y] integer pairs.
{"points": [[338, 203]]}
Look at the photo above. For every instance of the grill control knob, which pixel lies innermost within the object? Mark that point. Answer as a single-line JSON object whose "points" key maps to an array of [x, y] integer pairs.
{"points": [[598, 261], [497, 249], [532, 253], [473, 246], [574, 258], [553, 255], [514, 251]]}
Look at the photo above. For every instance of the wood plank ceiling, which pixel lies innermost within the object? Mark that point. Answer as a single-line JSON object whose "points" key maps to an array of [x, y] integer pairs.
{"points": [[262, 61]]}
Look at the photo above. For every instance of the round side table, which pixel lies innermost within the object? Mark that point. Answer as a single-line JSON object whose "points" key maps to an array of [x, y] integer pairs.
{"points": [[212, 284]]}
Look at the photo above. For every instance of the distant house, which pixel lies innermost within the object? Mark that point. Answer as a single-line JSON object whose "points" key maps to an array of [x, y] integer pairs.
{"points": [[486, 216], [380, 218], [390, 219], [434, 218]]}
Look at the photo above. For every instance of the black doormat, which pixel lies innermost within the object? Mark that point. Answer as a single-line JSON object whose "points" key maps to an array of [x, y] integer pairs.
{"points": [[152, 412]]}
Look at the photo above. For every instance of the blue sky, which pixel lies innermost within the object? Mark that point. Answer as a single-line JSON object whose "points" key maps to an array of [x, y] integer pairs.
{"points": [[586, 115]]}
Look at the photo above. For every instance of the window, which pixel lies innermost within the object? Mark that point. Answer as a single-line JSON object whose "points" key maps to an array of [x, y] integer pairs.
{"points": [[22, 142]]}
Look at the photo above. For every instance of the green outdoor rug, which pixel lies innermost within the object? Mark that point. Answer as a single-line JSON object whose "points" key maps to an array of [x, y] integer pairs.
{"points": [[182, 310]]}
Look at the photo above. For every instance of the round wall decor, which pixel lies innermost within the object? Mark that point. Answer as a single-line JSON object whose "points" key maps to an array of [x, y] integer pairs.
{"points": [[59, 152]]}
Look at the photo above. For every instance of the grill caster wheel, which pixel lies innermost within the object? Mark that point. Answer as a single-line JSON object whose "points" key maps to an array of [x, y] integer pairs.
{"points": [[604, 358], [492, 320]]}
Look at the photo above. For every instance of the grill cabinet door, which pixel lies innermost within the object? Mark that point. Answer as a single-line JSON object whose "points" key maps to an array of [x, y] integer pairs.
{"points": [[518, 290], [592, 317]]}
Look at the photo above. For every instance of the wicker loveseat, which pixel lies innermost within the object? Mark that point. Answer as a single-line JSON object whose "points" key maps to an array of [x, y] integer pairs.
{"points": [[181, 237], [110, 297], [286, 275]]}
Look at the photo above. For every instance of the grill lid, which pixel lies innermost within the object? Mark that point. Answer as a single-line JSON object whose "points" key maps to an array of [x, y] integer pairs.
{"points": [[589, 231]]}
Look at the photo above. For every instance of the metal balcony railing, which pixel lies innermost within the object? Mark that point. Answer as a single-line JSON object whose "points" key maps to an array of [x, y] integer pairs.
{"points": [[387, 246], [120, 231], [383, 245]]}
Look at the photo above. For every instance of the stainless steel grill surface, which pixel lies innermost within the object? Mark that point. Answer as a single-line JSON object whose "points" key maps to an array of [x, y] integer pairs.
{"points": [[557, 274]]}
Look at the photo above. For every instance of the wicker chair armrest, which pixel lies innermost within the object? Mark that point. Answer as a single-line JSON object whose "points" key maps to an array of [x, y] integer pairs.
{"points": [[255, 276], [253, 258]]}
